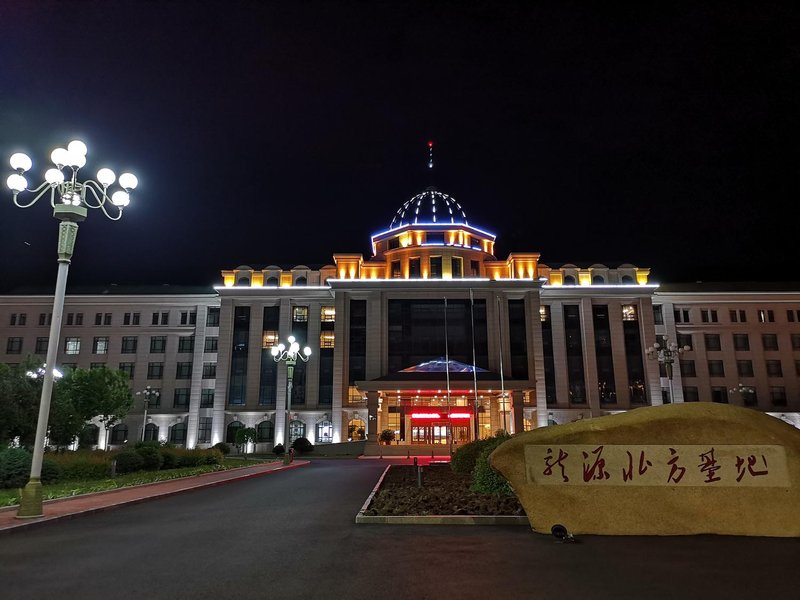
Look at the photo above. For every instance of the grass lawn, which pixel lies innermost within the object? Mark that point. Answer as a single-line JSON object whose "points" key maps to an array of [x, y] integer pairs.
{"points": [[74, 488]]}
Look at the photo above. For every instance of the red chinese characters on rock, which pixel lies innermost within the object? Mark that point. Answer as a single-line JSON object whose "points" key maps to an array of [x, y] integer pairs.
{"points": [[709, 466], [597, 470], [751, 462], [627, 474], [676, 471], [559, 462]]}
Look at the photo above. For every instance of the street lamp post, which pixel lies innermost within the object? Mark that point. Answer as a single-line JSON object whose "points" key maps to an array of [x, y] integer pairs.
{"points": [[70, 200], [742, 390], [149, 395], [289, 354], [665, 355]]}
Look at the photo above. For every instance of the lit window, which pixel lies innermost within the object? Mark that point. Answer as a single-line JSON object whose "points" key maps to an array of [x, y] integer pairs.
{"points": [[269, 339], [628, 312], [544, 313], [300, 314], [328, 314], [100, 345], [72, 345], [326, 339]]}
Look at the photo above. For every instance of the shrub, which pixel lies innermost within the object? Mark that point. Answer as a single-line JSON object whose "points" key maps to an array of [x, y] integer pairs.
{"points": [[279, 449], [15, 467], [148, 444], [51, 471], [302, 445], [484, 478], [464, 458], [83, 464], [170, 457], [151, 457], [222, 447], [214, 457], [129, 461], [387, 436]]}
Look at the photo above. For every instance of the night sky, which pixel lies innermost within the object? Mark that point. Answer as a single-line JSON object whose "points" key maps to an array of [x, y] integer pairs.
{"points": [[280, 133]]}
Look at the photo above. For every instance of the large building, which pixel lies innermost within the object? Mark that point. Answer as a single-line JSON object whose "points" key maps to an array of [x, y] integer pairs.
{"points": [[431, 337]]}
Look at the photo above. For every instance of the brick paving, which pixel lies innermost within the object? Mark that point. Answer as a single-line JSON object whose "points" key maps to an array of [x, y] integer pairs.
{"points": [[76, 506]]}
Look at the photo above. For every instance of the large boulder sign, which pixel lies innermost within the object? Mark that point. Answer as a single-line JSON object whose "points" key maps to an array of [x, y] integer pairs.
{"points": [[677, 469]]}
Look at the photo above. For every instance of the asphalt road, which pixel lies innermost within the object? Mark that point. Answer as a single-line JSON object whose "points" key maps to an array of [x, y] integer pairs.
{"points": [[292, 535]]}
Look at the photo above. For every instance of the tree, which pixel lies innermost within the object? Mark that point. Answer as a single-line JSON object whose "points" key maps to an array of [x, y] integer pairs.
{"points": [[97, 393], [19, 403], [243, 436], [387, 436]]}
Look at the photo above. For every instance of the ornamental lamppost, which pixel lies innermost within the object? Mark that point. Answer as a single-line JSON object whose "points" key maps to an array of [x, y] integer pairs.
{"points": [[289, 354], [70, 200], [745, 392], [666, 355], [150, 395]]}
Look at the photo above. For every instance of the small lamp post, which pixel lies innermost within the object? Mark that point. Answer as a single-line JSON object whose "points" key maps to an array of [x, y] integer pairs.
{"points": [[150, 395], [742, 390], [289, 354], [69, 199], [665, 355]]}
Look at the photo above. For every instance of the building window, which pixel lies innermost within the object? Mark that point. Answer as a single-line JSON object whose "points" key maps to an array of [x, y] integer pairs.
{"points": [[396, 270], [155, 370], [324, 432], [98, 318], [127, 368], [682, 315], [72, 345], [177, 433], [326, 339], [796, 341], [44, 319], [712, 342], [158, 344], [212, 319], [119, 434], [688, 368], [204, 430], [394, 243], [738, 316], [183, 370], [414, 268], [770, 341], [575, 369], [100, 345], [180, 399], [107, 319], [774, 368], [658, 314], [793, 315], [719, 394], [14, 345], [690, 394], [155, 398], [716, 368], [300, 314], [230, 432], [209, 370], [129, 343], [708, 316], [749, 397], [211, 344], [239, 353], [97, 365], [475, 268], [207, 398], [188, 318], [436, 267], [744, 368], [741, 342], [186, 344], [269, 339], [160, 318], [685, 339], [130, 318], [70, 318], [777, 395], [434, 237], [457, 267], [766, 316], [265, 432], [41, 345], [327, 314], [628, 312]]}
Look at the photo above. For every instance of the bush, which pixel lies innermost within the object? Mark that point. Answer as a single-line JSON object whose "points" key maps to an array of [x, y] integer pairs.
{"points": [[302, 445], [51, 471], [278, 450], [214, 457], [170, 457], [466, 456], [83, 464], [151, 457], [148, 444], [222, 447], [387, 436], [485, 479], [15, 467], [129, 461]]}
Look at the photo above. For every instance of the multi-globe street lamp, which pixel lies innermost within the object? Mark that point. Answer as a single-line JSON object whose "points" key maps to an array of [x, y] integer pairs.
{"points": [[745, 392], [289, 354], [665, 355], [150, 395], [70, 199]]}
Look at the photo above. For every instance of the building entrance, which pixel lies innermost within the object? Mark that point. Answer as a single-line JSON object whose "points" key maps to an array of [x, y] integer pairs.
{"points": [[436, 432]]}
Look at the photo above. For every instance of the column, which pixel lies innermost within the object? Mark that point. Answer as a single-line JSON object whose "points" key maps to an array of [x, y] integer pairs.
{"points": [[224, 348], [193, 420], [618, 354], [372, 419], [340, 329], [589, 357], [312, 366], [517, 417], [536, 357], [647, 331], [560, 354]]}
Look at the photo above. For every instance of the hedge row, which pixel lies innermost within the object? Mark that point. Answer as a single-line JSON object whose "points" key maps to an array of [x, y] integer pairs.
{"points": [[473, 459], [151, 456]]}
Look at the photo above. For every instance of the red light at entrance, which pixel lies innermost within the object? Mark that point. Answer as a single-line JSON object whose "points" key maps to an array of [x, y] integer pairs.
{"points": [[426, 416]]}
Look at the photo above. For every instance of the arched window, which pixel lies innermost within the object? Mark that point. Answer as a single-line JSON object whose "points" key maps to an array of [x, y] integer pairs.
{"points": [[324, 432], [230, 434], [300, 281], [119, 434], [90, 435], [265, 432], [297, 429], [177, 433], [243, 281], [627, 279], [598, 280], [569, 280], [272, 281], [356, 430], [151, 432]]}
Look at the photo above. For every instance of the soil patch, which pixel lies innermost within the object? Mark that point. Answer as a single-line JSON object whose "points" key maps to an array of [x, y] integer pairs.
{"points": [[443, 492]]}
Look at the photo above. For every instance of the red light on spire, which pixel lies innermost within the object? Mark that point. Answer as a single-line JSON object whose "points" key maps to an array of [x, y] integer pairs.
{"points": [[430, 144]]}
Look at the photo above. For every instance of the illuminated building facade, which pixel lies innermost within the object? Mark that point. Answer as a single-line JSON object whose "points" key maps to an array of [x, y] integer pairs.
{"points": [[431, 337]]}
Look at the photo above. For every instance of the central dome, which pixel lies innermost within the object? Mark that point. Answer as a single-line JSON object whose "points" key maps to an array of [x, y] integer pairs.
{"points": [[429, 207]]}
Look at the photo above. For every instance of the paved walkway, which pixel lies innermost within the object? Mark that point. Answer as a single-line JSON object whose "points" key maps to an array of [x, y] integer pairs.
{"points": [[68, 508]]}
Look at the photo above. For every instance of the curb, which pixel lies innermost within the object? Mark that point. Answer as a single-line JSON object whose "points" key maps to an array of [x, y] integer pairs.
{"points": [[362, 519], [27, 524]]}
